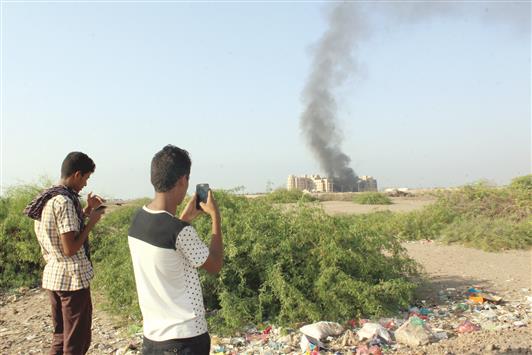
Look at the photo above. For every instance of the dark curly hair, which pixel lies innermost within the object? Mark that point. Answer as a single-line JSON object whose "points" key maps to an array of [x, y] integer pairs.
{"points": [[167, 166]]}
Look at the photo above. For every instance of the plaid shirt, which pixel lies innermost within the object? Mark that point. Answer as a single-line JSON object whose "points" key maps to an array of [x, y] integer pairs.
{"points": [[61, 273]]}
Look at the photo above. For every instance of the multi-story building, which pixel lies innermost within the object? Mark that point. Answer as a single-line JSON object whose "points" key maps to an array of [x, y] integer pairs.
{"points": [[315, 183], [366, 183], [311, 183]]}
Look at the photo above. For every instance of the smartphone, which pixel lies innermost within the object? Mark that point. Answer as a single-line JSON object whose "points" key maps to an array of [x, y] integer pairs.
{"points": [[202, 191], [101, 207]]}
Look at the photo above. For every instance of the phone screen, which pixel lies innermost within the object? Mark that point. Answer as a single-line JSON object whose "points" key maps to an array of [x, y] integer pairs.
{"points": [[202, 191]]}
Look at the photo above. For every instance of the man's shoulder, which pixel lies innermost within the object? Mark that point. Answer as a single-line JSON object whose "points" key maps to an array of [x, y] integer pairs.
{"points": [[59, 201], [158, 229], [162, 218]]}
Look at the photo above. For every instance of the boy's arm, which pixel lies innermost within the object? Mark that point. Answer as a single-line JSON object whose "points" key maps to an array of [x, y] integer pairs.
{"points": [[68, 225], [214, 261], [72, 241]]}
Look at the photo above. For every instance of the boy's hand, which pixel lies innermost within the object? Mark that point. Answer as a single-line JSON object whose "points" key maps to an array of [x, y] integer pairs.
{"points": [[94, 201], [95, 215], [211, 207], [190, 212]]}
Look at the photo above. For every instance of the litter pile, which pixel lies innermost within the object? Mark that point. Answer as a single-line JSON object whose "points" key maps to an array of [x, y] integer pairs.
{"points": [[457, 314]]}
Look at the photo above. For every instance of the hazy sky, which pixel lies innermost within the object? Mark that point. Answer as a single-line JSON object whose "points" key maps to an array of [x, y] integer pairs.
{"points": [[437, 100]]}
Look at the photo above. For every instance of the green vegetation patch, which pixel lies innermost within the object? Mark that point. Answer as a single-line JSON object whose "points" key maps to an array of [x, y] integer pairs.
{"points": [[372, 198], [301, 265], [287, 196], [481, 216], [20, 255]]}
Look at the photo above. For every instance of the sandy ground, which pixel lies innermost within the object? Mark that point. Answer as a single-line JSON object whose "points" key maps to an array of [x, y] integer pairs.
{"points": [[507, 274], [400, 204], [456, 266]]}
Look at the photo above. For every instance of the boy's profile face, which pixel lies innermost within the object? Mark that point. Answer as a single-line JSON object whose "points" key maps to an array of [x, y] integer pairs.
{"points": [[80, 180]]}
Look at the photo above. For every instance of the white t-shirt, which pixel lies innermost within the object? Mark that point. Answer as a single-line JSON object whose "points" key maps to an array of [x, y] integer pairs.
{"points": [[166, 253]]}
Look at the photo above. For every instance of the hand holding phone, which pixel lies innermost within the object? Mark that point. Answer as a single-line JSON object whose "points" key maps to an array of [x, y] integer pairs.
{"points": [[202, 193], [101, 207]]}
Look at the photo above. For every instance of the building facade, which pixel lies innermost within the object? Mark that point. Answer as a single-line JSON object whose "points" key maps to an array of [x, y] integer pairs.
{"points": [[315, 183], [366, 183], [311, 183]]}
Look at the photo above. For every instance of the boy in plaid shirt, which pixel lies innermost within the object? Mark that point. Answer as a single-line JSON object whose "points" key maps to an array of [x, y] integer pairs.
{"points": [[63, 236]]}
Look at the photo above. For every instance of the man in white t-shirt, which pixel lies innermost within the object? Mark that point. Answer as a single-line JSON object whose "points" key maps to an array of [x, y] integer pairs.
{"points": [[166, 252]]}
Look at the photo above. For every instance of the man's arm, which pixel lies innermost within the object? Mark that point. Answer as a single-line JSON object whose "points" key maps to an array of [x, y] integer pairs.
{"points": [[72, 241], [215, 260]]}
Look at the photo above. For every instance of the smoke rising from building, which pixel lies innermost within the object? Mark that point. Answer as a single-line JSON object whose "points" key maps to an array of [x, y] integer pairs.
{"points": [[331, 66], [333, 63]]}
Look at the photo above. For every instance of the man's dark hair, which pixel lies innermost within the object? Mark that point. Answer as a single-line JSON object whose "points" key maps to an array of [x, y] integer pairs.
{"points": [[167, 166], [77, 161]]}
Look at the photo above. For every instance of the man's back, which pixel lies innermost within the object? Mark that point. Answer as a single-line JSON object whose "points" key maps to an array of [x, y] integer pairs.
{"points": [[61, 273], [165, 252]]}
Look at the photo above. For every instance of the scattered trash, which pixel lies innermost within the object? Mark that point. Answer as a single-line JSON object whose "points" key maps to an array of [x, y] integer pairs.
{"points": [[219, 349], [310, 345], [520, 323], [467, 327], [370, 330], [365, 350], [413, 333], [348, 339], [440, 335], [322, 330], [416, 326]]}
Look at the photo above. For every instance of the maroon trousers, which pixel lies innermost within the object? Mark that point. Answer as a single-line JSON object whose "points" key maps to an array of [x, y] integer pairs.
{"points": [[72, 320]]}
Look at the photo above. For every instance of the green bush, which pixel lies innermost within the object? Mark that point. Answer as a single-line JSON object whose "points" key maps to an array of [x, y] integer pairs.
{"points": [[476, 215], [372, 198], [489, 234], [287, 196], [301, 265], [279, 266], [21, 262], [113, 269], [523, 183]]}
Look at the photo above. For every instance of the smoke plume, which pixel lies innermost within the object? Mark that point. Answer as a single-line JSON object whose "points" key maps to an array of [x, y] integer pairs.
{"points": [[333, 63]]}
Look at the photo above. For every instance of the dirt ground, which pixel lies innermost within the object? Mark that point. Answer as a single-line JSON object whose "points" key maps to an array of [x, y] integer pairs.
{"points": [[507, 274], [400, 204]]}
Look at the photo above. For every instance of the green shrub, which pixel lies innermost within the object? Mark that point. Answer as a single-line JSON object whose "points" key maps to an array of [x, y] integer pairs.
{"points": [[477, 215], [489, 234], [113, 269], [372, 198], [522, 183], [21, 262], [301, 265], [279, 266], [287, 196]]}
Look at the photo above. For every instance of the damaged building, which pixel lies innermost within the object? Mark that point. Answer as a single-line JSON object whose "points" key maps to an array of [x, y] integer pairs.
{"points": [[316, 183]]}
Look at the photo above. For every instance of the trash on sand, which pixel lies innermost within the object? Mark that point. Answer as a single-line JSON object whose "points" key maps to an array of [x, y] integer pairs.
{"points": [[441, 335], [219, 349], [369, 330], [520, 323], [310, 345], [467, 327], [348, 339], [480, 296], [322, 330], [425, 311], [476, 299], [414, 333], [372, 350], [378, 341]]}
